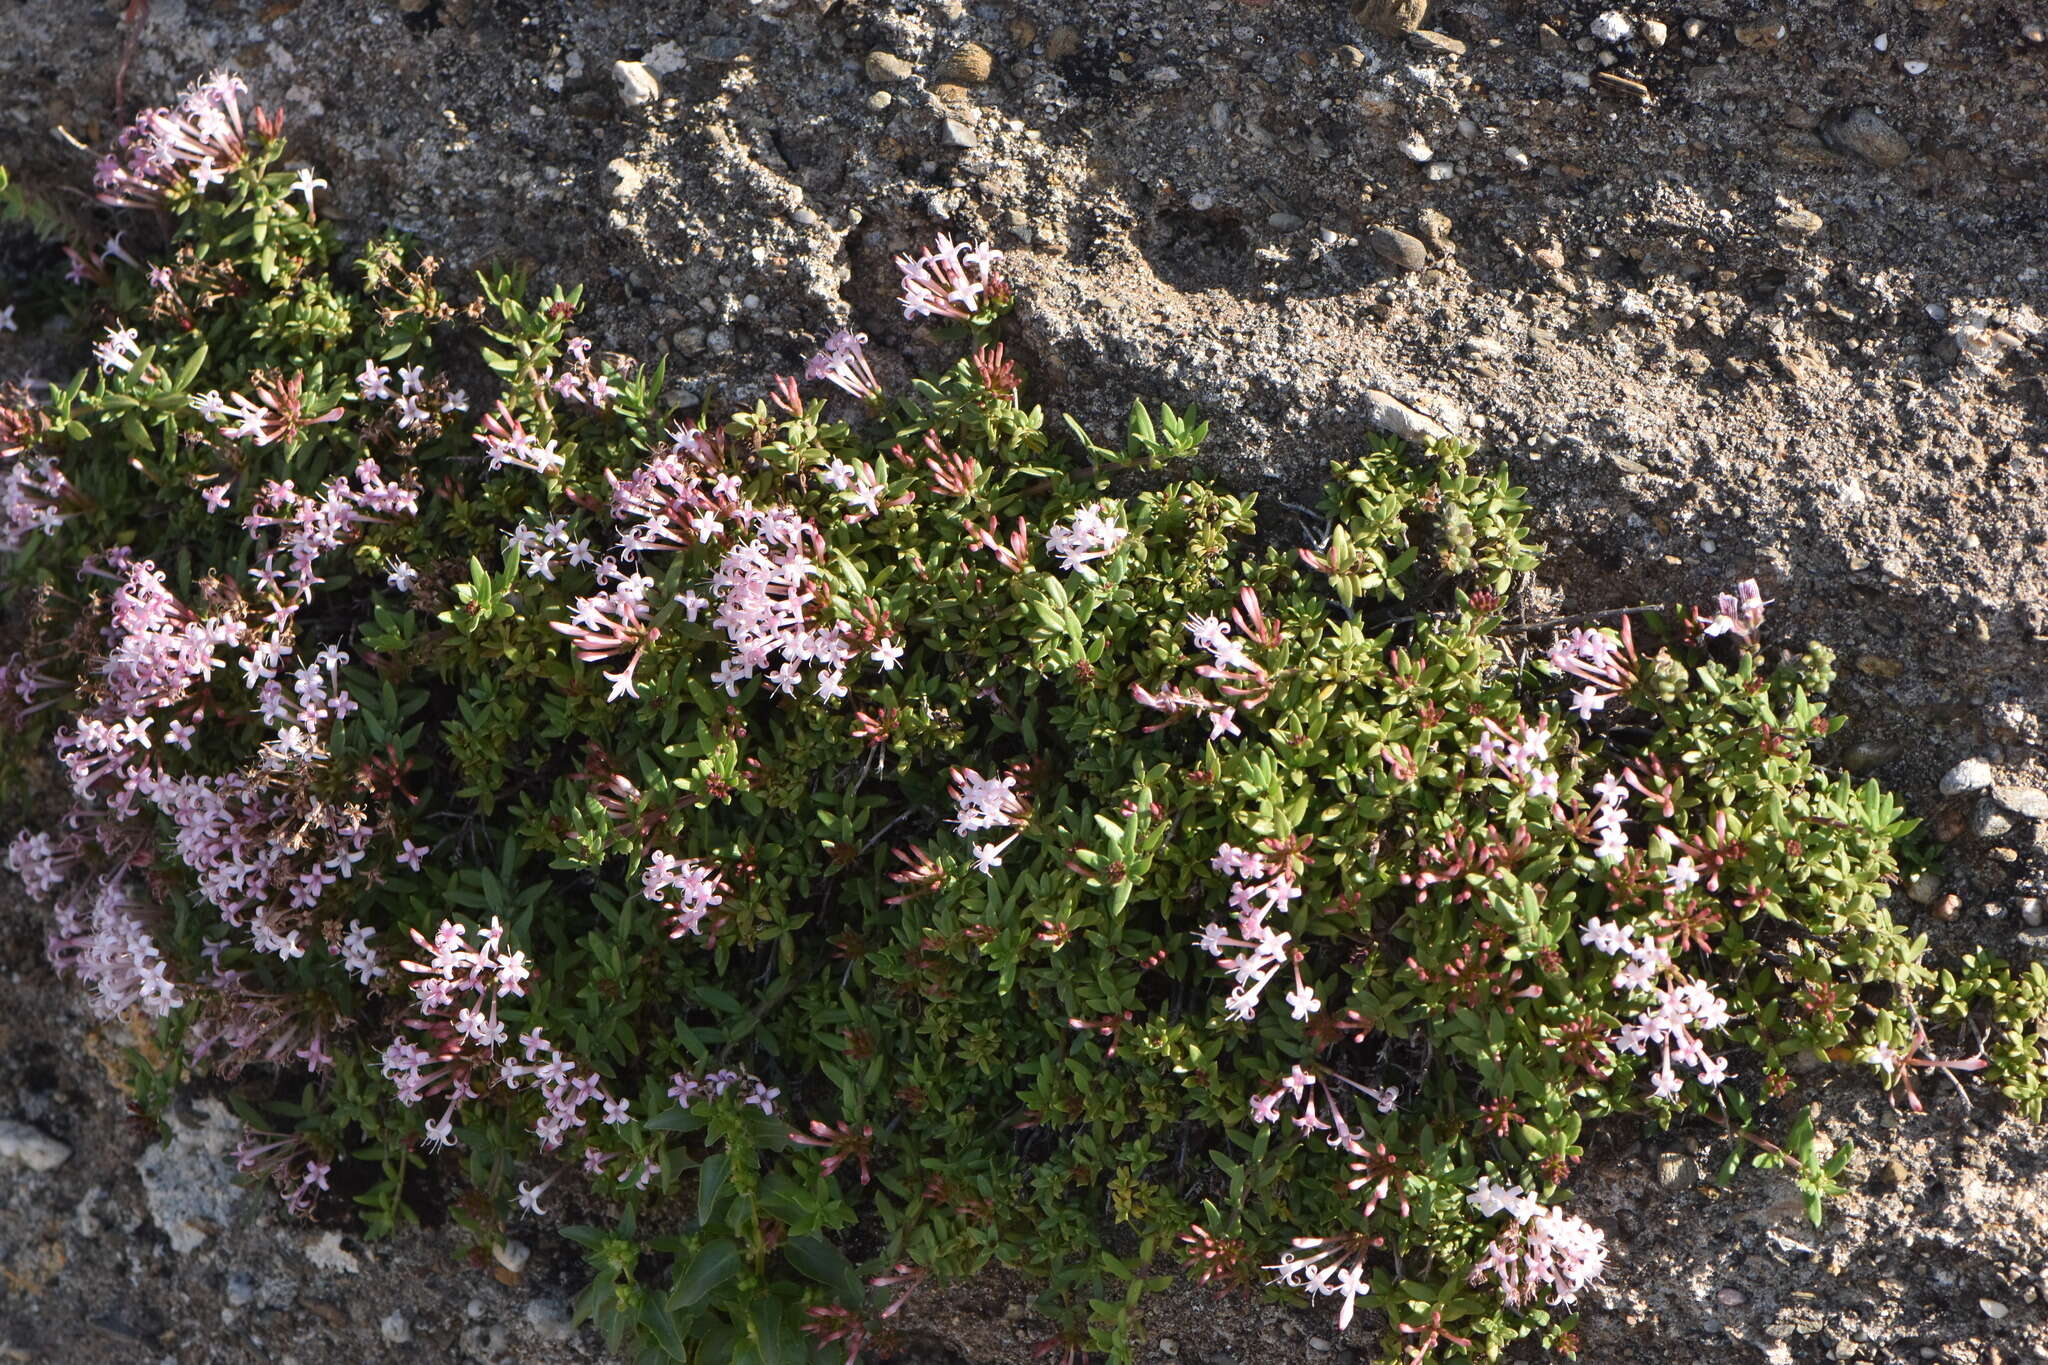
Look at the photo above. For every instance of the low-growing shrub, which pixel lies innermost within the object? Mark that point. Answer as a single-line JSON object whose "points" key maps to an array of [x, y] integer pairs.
{"points": [[855, 852]]}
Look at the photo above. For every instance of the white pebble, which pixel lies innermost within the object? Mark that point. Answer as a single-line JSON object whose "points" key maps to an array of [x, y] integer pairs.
{"points": [[1882, 42], [1612, 27], [1914, 68], [637, 86], [35, 1150], [1415, 148]]}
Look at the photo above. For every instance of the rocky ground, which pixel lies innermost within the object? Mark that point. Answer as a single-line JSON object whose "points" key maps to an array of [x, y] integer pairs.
{"points": [[1736, 289]]}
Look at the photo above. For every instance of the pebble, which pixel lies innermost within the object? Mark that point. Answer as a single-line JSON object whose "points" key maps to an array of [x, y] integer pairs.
{"points": [[1415, 148], [1805, 222], [241, 1289], [512, 1254], [2030, 911], [1063, 41], [1318, 1344], [395, 1330], [1398, 249], [1972, 774], [550, 1320], [954, 133], [886, 68], [1924, 888], [1863, 133], [31, 1147], [1384, 412], [1993, 1309], [1655, 33], [1429, 40], [1391, 18], [880, 100], [1948, 907], [2030, 802], [637, 85], [1675, 1169], [1612, 27], [1992, 909], [1730, 1297], [1435, 226], [1694, 28], [968, 64], [1285, 222]]}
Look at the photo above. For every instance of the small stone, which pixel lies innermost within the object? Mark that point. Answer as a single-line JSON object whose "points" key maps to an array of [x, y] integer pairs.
{"points": [[954, 133], [1549, 257], [1398, 249], [1972, 774], [327, 1253], [1612, 27], [1993, 1309], [1318, 1344], [1415, 148], [1548, 39], [1863, 133], [1890, 1175], [1168, 1346], [1384, 412], [1655, 33], [1675, 1169], [1878, 666], [1391, 18], [1924, 888], [1063, 41], [886, 68], [1436, 230], [395, 1330], [31, 1147], [241, 1289], [1730, 1297], [512, 1254], [637, 85], [1429, 40], [2030, 911], [967, 64], [1284, 221], [1351, 56], [1913, 68], [1801, 222], [1768, 33], [1948, 907], [1988, 821], [1992, 909], [550, 1320], [880, 100], [2030, 802], [1694, 28]]}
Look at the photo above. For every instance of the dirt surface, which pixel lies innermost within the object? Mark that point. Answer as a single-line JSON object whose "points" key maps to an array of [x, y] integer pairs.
{"points": [[1740, 291]]}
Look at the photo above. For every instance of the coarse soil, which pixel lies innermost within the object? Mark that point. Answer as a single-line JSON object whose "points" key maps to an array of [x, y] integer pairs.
{"points": [[1743, 292]]}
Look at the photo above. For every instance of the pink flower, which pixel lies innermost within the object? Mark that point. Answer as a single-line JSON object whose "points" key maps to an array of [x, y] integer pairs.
{"points": [[947, 282]]}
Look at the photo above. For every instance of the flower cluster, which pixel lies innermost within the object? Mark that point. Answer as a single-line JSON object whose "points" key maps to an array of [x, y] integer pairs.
{"points": [[1092, 533], [950, 281], [1600, 659], [1684, 1006], [1542, 1250], [1261, 888], [196, 143], [687, 887]]}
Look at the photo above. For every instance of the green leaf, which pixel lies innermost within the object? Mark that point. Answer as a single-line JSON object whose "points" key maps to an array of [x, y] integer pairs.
{"points": [[711, 1266]]}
